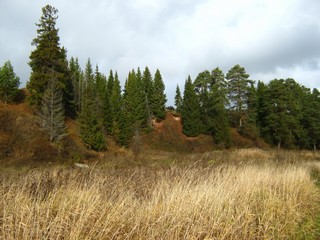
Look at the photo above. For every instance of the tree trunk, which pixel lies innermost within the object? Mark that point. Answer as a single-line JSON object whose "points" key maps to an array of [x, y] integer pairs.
{"points": [[279, 144]]}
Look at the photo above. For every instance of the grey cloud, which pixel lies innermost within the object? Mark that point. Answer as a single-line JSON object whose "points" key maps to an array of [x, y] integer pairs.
{"points": [[174, 36]]}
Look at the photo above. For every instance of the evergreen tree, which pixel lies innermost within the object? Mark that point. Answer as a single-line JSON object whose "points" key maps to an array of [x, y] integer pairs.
{"points": [[76, 79], [91, 127], [218, 123], [178, 99], [283, 109], [311, 118], [48, 60], [110, 83], [201, 85], [52, 112], [91, 124], [134, 101], [9, 83], [261, 108], [101, 97], [190, 110], [159, 97], [116, 109], [238, 88], [147, 83], [67, 86]]}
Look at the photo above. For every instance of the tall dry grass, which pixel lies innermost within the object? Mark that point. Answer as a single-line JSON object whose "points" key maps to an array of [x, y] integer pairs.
{"points": [[227, 201]]}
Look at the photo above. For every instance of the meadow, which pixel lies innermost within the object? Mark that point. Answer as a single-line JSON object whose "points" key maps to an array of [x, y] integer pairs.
{"points": [[235, 194]]}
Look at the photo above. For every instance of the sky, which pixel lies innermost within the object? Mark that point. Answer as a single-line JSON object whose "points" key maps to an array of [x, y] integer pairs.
{"points": [[270, 38]]}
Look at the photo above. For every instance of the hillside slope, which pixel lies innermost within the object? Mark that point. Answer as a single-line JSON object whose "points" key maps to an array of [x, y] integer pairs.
{"points": [[21, 138]]}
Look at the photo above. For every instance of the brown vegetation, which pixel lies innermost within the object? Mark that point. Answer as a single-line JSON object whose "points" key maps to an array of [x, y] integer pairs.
{"points": [[253, 195]]}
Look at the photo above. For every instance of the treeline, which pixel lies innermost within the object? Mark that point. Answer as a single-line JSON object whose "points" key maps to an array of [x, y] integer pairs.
{"points": [[282, 112], [59, 88], [102, 108]]}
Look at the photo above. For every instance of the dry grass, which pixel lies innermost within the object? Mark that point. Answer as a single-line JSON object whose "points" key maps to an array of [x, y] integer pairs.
{"points": [[216, 201]]}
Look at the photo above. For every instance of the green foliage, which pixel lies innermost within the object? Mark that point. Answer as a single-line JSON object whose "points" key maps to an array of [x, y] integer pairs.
{"points": [[283, 112], [178, 99], [48, 60], [148, 86], [159, 97], [218, 123], [116, 109], [134, 100], [201, 85], [238, 87], [76, 77], [190, 110], [52, 112], [311, 118], [91, 127], [90, 119], [9, 83]]}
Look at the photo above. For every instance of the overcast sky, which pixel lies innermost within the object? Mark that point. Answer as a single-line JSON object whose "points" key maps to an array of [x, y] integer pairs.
{"points": [[270, 38]]}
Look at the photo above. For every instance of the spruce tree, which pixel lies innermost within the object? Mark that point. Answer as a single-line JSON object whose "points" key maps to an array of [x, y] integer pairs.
{"points": [[159, 97], [52, 112], [178, 99], [91, 124], [190, 110], [116, 108], [67, 86], [9, 83], [201, 84], [218, 123], [48, 60], [147, 83], [134, 101], [76, 79]]}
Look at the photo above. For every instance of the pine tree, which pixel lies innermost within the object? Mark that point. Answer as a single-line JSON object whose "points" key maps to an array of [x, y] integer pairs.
{"points": [[48, 60], [261, 107], [159, 97], [311, 118], [283, 109], [190, 110], [178, 99], [238, 88], [9, 83], [52, 112]]}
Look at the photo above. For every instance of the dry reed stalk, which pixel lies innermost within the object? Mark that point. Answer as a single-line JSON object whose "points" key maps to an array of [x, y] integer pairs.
{"points": [[224, 202]]}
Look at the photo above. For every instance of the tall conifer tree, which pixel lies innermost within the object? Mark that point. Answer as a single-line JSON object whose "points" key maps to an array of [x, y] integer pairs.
{"points": [[159, 97], [190, 110], [178, 99], [9, 83], [47, 59], [52, 111]]}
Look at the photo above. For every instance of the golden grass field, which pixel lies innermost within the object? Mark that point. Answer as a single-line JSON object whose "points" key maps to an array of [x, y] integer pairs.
{"points": [[240, 194]]}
